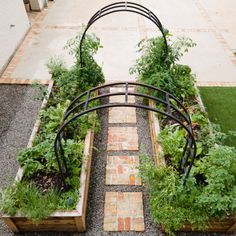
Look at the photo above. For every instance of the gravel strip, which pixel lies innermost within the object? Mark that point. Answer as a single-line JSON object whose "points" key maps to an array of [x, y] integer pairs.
{"points": [[95, 214], [18, 114]]}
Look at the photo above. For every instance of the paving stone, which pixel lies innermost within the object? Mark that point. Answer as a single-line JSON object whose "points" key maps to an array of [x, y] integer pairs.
{"points": [[122, 170], [122, 115], [123, 211], [120, 98], [122, 138]]}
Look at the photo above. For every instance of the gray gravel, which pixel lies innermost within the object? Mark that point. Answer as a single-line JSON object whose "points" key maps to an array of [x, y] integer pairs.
{"points": [[95, 214], [18, 112]]}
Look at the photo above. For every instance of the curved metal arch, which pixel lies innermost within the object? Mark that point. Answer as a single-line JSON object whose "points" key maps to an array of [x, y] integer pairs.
{"points": [[123, 7], [79, 108], [138, 6], [150, 87]]}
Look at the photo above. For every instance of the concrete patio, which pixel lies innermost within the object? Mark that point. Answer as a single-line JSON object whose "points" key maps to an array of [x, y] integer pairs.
{"points": [[209, 23]]}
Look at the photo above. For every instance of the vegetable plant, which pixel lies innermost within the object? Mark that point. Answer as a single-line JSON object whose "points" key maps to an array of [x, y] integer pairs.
{"points": [[31, 197], [209, 191]]}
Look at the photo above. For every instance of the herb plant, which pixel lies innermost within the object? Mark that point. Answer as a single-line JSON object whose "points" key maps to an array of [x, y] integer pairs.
{"points": [[210, 189], [27, 197]]}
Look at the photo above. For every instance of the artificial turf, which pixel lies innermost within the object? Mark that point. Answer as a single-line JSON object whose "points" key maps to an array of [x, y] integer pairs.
{"points": [[220, 103]]}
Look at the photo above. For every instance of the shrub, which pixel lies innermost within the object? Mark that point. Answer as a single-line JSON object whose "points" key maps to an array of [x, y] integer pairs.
{"points": [[155, 69]]}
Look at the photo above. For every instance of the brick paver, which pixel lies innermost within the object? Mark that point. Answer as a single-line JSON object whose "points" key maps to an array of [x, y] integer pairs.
{"points": [[120, 98], [122, 115], [122, 170], [122, 138], [123, 211]]}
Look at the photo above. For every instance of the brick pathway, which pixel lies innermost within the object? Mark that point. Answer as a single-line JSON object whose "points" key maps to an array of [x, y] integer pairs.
{"points": [[123, 211], [122, 170]]}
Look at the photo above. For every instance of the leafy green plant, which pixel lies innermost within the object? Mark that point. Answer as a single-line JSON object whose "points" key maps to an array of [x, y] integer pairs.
{"points": [[172, 204], [219, 169], [25, 197], [210, 189], [155, 69], [69, 83], [172, 139]]}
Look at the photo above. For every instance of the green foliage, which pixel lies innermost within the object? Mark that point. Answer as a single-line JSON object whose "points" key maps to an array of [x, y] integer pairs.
{"points": [[171, 204], [25, 199], [39, 157], [218, 197], [172, 139], [163, 72], [210, 189], [69, 83]]}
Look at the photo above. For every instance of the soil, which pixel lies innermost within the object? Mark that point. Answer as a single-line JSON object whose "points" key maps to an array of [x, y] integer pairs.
{"points": [[46, 181]]}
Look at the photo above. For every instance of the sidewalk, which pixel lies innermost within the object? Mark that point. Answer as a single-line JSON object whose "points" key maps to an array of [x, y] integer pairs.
{"points": [[209, 23]]}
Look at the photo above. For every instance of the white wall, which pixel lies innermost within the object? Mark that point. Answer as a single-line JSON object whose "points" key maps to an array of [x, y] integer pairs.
{"points": [[14, 24]]}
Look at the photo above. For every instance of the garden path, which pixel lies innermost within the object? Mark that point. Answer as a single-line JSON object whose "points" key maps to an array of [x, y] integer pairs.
{"points": [[117, 202], [123, 210]]}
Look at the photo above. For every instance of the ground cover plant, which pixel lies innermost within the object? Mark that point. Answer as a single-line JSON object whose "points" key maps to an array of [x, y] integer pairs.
{"points": [[220, 103], [210, 190], [40, 191]]}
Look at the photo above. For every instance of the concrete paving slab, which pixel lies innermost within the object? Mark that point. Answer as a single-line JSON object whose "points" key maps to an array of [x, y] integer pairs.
{"points": [[118, 53], [209, 22], [222, 13], [223, 16], [176, 14], [230, 38], [208, 59], [47, 43], [76, 12]]}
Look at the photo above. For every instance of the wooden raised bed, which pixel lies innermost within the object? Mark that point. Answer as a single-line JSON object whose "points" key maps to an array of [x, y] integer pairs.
{"points": [[67, 221], [226, 225]]}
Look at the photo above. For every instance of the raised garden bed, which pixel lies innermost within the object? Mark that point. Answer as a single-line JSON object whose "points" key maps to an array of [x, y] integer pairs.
{"points": [[50, 192], [226, 225], [73, 220], [204, 198]]}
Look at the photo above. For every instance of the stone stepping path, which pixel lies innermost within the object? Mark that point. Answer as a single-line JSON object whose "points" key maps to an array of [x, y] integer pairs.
{"points": [[122, 170], [122, 139], [122, 115], [123, 211]]}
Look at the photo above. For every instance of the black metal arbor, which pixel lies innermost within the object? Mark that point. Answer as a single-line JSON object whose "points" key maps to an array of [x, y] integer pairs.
{"points": [[86, 102]]}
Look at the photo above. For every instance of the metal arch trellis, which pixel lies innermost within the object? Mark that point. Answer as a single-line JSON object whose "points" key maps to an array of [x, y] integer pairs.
{"points": [[83, 104], [123, 7]]}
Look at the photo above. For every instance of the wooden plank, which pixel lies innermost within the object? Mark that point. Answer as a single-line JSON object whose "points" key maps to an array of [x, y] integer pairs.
{"points": [[155, 130], [54, 228], [232, 228], [10, 224], [80, 223], [49, 221]]}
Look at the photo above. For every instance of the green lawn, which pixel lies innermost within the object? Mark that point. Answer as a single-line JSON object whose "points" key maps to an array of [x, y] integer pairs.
{"points": [[220, 103]]}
